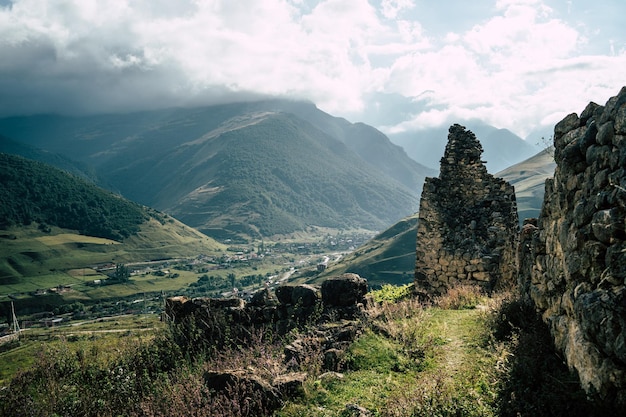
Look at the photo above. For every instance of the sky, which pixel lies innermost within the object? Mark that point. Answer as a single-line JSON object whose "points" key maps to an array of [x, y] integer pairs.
{"points": [[399, 65]]}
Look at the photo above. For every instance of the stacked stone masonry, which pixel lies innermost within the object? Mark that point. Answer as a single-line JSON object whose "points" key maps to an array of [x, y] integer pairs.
{"points": [[468, 222], [573, 261]]}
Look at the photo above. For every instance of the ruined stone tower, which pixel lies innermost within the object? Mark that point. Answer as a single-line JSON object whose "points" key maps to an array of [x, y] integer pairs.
{"points": [[467, 222]]}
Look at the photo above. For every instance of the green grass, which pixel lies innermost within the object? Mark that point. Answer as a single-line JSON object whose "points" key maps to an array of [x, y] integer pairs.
{"points": [[105, 334], [495, 359], [413, 361], [391, 293], [141, 284], [31, 260]]}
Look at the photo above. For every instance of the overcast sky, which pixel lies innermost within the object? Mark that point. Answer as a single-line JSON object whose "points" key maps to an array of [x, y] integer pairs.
{"points": [[394, 64]]}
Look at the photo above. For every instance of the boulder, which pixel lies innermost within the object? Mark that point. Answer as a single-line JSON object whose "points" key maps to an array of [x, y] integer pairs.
{"points": [[332, 359], [263, 298], [284, 293], [354, 410], [245, 388], [343, 291], [290, 385], [305, 295]]}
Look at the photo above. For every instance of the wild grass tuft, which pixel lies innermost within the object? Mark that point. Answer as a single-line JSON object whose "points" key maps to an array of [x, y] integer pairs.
{"points": [[461, 297]]}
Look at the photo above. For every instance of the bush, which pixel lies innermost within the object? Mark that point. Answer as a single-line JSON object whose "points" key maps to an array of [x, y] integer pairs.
{"points": [[392, 293]]}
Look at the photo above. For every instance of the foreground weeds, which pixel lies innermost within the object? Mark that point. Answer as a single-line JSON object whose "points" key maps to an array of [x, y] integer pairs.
{"points": [[467, 355]]}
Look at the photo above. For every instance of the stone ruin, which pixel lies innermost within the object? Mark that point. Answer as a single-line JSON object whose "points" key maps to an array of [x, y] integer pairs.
{"points": [[286, 308], [573, 258], [468, 222], [333, 312]]}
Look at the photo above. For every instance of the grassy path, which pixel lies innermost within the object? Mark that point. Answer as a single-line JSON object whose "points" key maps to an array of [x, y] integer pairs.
{"points": [[462, 333], [431, 363], [461, 379]]}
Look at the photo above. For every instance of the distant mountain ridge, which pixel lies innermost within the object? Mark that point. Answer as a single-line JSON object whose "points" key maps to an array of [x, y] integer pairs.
{"points": [[12, 147], [502, 148], [256, 169]]}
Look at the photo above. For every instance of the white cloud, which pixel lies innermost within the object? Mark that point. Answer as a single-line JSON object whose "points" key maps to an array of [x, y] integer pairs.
{"points": [[511, 68], [510, 71], [391, 8]]}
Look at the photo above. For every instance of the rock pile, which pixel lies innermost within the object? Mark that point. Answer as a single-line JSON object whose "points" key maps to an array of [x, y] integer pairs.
{"points": [[332, 313], [467, 222], [573, 262], [342, 297]]}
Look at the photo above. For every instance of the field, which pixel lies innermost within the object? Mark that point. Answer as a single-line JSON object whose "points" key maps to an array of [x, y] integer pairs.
{"points": [[33, 262], [105, 334]]}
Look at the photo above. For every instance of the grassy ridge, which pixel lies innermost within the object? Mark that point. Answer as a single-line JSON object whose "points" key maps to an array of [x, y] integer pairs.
{"points": [[388, 258], [528, 178]]}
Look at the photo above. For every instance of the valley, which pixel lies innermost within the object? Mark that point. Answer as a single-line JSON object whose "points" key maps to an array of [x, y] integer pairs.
{"points": [[58, 267], [249, 198]]}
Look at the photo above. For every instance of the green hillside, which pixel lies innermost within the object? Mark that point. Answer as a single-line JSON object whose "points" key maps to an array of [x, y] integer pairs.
{"points": [[35, 192], [54, 223], [388, 258], [279, 175], [529, 177]]}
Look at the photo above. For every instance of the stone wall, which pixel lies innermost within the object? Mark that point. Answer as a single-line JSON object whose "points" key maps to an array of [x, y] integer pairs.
{"points": [[573, 262], [468, 222], [221, 321]]}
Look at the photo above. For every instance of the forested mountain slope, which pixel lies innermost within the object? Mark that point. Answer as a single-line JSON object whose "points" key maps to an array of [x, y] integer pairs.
{"points": [[255, 169]]}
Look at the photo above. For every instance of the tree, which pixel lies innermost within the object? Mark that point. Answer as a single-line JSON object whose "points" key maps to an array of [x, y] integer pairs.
{"points": [[122, 273]]}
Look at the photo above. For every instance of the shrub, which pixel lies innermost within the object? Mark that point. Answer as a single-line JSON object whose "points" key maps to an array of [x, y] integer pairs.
{"points": [[392, 293]]}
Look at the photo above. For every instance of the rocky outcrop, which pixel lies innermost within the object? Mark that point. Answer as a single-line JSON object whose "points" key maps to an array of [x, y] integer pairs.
{"points": [[467, 222], [335, 310], [573, 261], [330, 314], [256, 395]]}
